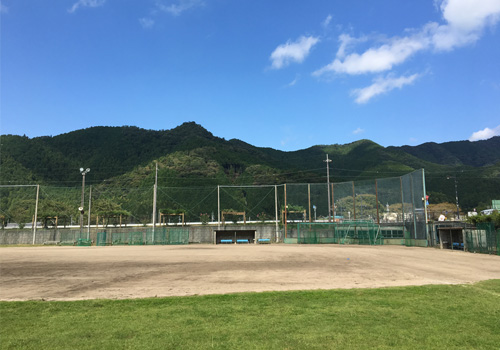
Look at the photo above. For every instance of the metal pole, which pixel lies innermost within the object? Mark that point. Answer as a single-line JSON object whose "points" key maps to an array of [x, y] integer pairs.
{"points": [[285, 219], [81, 203], [276, 211], [90, 206], [402, 200], [425, 207], [328, 161], [333, 201], [36, 212], [154, 201], [218, 207], [309, 200], [376, 202], [413, 207]]}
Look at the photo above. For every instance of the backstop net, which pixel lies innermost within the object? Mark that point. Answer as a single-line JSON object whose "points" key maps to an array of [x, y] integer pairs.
{"points": [[396, 205]]}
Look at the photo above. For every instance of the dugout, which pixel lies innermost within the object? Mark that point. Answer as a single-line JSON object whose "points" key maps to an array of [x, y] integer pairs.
{"points": [[233, 236], [451, 237]]}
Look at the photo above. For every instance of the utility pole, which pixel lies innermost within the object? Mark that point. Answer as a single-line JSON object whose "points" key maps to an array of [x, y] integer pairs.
{"points": [[328, 161]]}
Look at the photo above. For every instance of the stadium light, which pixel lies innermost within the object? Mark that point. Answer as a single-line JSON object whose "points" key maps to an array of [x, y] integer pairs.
{"points": [[83, 172]]}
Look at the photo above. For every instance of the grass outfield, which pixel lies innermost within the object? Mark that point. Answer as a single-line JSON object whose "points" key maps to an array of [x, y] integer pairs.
{"points": [[427, 317]]}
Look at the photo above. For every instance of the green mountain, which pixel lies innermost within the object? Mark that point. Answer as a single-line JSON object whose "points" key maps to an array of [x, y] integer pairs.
{"points": [[190, 156]]}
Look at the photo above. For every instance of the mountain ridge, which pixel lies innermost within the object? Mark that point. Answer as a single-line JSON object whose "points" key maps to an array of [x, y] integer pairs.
{"points": [[115, 153]]}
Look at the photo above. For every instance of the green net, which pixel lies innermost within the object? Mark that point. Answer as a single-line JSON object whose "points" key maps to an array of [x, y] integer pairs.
{"points": [[347, 232], [168, 236], [483, 239]]}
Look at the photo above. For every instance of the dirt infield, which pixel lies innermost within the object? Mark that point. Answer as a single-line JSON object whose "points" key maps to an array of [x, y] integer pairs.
{"points": [[119, 272]]}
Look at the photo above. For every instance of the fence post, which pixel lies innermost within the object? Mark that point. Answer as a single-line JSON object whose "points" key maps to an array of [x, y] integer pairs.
{"points": [[36, 213]]}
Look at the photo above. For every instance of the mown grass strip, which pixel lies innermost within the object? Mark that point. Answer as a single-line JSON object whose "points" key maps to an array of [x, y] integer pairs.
{"points": [[427, 317]]}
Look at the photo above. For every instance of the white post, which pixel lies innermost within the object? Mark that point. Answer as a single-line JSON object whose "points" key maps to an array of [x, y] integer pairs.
{"points": [[36, 213]]}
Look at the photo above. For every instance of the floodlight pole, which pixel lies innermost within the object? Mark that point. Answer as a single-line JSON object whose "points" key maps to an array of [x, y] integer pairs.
{"points": [[327, 161], [83, 172]]}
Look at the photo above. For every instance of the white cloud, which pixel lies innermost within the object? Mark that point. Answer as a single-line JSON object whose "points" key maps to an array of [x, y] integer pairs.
{"points": [[464, 23], [146, 23], [485, 134], [292, 51], [358, 131], [86, 3], [178, 8], [373, 60], [381, 86], [326, 22]]}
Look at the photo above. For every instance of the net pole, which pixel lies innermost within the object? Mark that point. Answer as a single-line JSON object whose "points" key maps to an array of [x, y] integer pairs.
{"points": [[402, 201], [285, 218], [90, 206], [276, 211], [309, 200], [425, 206], [218, 207], [154, 201], [36, 213], [376, 199], [333, 201], [413, 207]]}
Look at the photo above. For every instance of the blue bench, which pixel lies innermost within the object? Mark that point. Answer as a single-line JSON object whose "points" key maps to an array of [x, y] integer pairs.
{"points": [[264, 240], [226, 241], [242, 241]]}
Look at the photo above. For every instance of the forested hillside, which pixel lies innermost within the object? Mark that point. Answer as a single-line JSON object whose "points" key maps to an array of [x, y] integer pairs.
{"points": [[189, 155]]}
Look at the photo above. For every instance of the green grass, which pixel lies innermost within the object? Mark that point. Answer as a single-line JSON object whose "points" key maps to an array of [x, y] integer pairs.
{"points": [[428, 317]]}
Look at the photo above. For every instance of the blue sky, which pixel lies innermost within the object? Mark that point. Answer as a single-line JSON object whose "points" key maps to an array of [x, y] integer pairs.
{"points": [[280, 74]]}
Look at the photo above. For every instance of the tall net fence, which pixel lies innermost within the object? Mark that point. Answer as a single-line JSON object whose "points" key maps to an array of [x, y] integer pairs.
{"points": [[17, 206], [250, 203], [395, 204]]}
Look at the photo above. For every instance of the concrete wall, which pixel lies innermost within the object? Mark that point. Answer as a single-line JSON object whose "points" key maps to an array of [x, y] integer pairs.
{"points": [[197, 234]]}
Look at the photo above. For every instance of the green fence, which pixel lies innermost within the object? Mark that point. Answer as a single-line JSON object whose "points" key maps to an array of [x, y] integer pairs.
{"points": [[483, 239], [348, 232], [168, 236], [73, 237], [160, 236]]}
